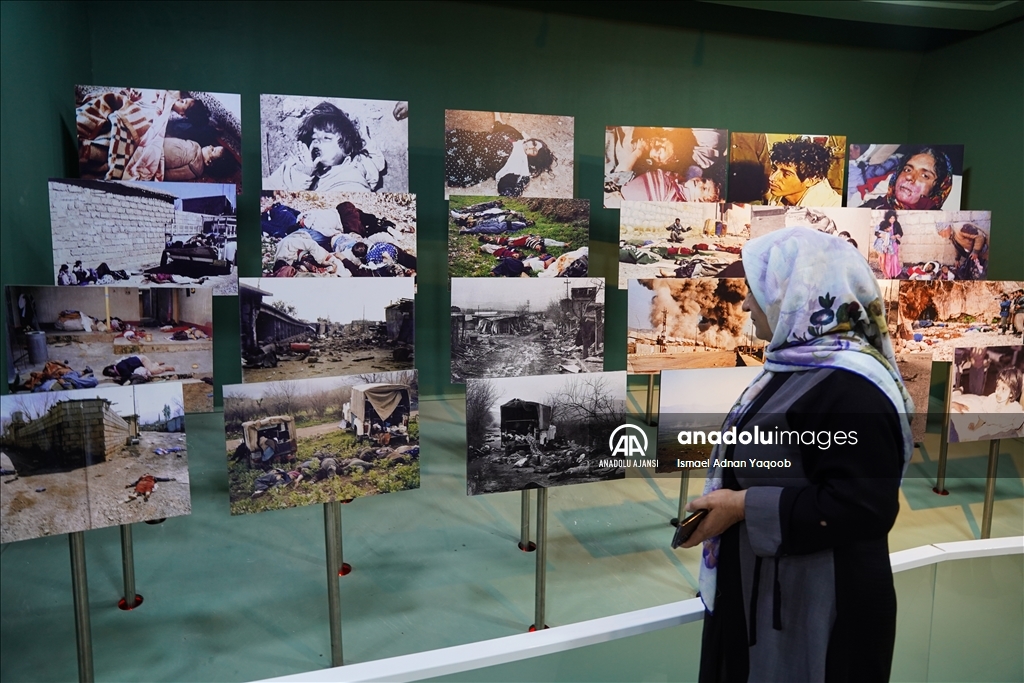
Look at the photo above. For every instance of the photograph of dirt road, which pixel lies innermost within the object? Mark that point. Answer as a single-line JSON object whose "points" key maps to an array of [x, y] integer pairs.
{"points": [[91, 458], [302, 442], [295, 328], [527, 432], [526, 327]]}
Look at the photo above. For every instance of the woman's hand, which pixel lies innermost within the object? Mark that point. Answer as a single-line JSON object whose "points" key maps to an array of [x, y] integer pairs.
{"points": [[726, 507]]}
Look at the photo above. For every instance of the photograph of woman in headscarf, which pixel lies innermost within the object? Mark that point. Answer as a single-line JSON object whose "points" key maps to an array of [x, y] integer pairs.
{"points": [[905, 177]]}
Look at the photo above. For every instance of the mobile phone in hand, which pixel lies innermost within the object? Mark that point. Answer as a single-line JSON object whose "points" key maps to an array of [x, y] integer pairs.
{"points": [[687, 527]]}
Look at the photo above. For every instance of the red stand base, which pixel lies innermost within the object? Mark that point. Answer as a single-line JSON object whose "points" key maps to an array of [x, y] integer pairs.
{"points": [[345, 570], [156, 521], [122, 604], [941, 493], [533, 628], [528, 548]]}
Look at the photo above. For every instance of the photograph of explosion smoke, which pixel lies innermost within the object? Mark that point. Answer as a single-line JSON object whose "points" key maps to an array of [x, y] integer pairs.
{"points": [[91, 458], [938, 317], [985, 398], [542, 431], [526, 327], [689, 323], [695, 400], [294, 328], [309, 441]]}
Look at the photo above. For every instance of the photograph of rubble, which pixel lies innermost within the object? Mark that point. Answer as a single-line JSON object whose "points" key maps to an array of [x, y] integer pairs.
{"points": [[158, 135], [334, 144], [338, 234], [787, 169], [852, 225], [689, 323], [144, 234], [526, 432], [294, 328], [915, 366], [91, 458], [502, 237], [490, 153], [673, 240], [302, 442], [938, 317], [901, 177], [653, 164], [695, 400], [930, 245], [985, 398], [526, 327], [63, 338]]}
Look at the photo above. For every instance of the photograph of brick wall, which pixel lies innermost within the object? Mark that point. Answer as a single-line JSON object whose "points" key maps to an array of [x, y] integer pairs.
{"points": [[91, 458], [930, 245]]}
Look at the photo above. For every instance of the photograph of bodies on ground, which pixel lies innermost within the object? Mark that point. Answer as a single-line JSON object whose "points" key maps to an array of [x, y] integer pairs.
{"points": [[92, 458], [915, 366], [502, 237], [158, 135], [338, 234], [81, 337], [670, 239], [787, 170], [938, 317], [526, 327], [526, 432], [334, 144], [852, 225], [985, 401], [144, 234], [489, 153], [298, 328], [648, 164], [685, 324], [905, 177], [930, 245], [695, 400], [309, 441]]}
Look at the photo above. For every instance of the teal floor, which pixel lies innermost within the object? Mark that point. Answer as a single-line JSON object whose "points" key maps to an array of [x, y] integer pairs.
{"points": [[241, 598]]}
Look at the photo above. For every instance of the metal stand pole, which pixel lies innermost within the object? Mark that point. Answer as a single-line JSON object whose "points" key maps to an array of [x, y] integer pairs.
{"points": [[940, 478], [332, 533], [525, 544], [542, 561], [684, 484], [990, 489], [344, 568], [80, 598], [650, 400], [130, 600]]}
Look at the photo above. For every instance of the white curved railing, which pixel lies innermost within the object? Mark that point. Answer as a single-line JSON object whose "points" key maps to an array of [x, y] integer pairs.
{"points": [[452, 660]]}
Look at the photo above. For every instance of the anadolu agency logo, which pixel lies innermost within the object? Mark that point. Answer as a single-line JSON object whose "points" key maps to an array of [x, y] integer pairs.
{"points": [[628, 446]]}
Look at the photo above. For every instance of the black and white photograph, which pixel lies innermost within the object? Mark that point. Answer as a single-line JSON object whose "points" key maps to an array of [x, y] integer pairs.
{"points": [[985, 397], [144, 234], [91, 458], [526, 327], [527, 432], [490, 153], [295, 328], [787, 169], [65, 338], [334, 144], [302, 442], [905, 177], [142, 134], [657, 164], [338, 234], [852, 225], [930, 245]]}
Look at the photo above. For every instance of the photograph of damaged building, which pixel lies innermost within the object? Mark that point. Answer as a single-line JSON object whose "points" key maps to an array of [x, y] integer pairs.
{"points": [[526, 327], [144, 234], [525, 432], [689, 323], [91, 458], [63, 337], [294, 328], [309, 441]]}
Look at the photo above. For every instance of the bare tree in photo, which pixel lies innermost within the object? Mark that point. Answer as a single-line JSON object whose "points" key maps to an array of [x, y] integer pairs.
{"points": [[283, 398], [481, 395], [319, 402], [585, 410]]}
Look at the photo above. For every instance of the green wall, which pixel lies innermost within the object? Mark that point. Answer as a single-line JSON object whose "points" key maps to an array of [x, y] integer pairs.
{"points": [[475, 56]]}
